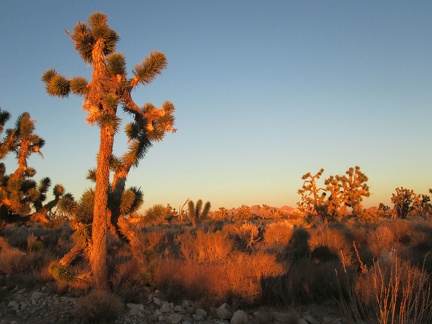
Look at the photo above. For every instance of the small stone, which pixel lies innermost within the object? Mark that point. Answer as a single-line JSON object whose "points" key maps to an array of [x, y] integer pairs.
{"points": [[135, 309], [174, 318], [165, 308], [179, 309], [190, 310], [186, 303], [14, 304], [281, 317], [37, 295], [302, 321], [224, 312], [239, 317], [197, 318], [310, 319], [201, 312], [157, 313], [157, 301], [186, 322], [147, 311], [263, 316]]}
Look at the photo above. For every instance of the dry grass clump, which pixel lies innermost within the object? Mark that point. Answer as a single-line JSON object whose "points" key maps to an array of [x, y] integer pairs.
{"points": [[205, 247], [99, 307], [391, 291], [14, 261]]}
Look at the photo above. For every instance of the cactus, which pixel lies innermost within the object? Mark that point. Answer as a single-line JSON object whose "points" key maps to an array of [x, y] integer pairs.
{"points": [[197, 213]]}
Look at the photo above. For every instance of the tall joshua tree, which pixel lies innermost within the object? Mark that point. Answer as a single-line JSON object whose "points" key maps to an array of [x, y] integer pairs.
{"points": [[108, 88]]}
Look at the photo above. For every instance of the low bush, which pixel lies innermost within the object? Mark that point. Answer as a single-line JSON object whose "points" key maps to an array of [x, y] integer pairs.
{"points": [[99, 307]]}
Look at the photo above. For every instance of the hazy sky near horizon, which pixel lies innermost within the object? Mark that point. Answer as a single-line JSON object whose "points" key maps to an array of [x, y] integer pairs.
{"points": [[265, 91]]}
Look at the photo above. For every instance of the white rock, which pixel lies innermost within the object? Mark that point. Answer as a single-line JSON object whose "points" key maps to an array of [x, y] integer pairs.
{"points": [[239, 317], [224, 312]]}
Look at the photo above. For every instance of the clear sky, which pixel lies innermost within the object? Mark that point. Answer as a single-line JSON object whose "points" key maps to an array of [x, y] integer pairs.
{"points": [[265, 91]]}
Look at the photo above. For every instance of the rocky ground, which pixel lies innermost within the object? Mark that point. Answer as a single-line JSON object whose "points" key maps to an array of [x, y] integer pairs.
{"points": [[40, 305]]}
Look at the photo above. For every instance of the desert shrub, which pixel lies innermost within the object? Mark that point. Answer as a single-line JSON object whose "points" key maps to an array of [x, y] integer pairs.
{"points": [[156, 214], [179, 280], [306, 281], [13, 260], [244, 273], [99, 307], [236, 281], [391, 291], [380, 240], [278, 233], [247, 235], [204, 247], [331, 236], [244, 212], [127, 281]]}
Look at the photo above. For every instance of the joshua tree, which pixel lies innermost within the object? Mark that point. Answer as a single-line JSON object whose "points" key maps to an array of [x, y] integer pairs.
{"points": [[197, 213], [404, 202], [109, 87], [312, 201], [340, 193]]}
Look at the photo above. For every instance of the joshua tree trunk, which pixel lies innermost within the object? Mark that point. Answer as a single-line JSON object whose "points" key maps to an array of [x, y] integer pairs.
{"points": [[100, 221]]}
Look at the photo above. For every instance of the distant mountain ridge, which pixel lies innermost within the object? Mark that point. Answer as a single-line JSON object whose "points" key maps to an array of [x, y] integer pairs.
{"points": [[260, 209]]}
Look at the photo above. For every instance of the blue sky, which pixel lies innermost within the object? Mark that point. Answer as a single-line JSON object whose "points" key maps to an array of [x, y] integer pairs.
{"points": [[265, 91]]}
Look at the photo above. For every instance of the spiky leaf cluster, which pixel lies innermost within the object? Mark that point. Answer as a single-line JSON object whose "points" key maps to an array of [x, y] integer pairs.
{"points": [[86, 35], [150, 68], [131, 200], [67, 205], [5, 145], [79, 86], [84, 212], [116, 64]]}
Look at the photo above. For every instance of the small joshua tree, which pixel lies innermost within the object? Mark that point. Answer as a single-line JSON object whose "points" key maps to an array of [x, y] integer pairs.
{"points": [[19, 193], [311, 196], [404, 202], [198, 213]]}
